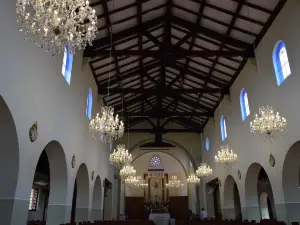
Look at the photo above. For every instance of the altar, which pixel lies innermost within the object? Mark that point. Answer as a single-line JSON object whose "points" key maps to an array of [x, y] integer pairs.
{"points": [[160, 218]]}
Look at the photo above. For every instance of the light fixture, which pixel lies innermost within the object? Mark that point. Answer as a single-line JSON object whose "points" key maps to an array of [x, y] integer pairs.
{"points": [[174, 183], [55, 24], [203, 170], [127, 171], [268, 125], [136, 182], [108, 127], [141, 182], [193, 179], [225, 155], [131, 181], [120, 157]]}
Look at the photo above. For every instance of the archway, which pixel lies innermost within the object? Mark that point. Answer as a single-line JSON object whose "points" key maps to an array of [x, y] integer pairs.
{"points": [[232, 203], [291, 182], [108, 200], [265, 206], [257, 182], [97, 200], [80, 204], [9, 161], [50, 178]]}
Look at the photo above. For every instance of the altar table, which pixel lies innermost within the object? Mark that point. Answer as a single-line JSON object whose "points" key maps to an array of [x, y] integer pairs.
{"points": [[160, 218]]}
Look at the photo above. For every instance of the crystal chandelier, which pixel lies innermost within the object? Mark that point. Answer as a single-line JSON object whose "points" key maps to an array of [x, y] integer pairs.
{"points": [[127, 171], [204, 170], [193, 179], [120, 157], [268, 124], [131, 181], [136, 182], [225, 155], [108, 126], [174, 183], [55, 24], [141, 182]]}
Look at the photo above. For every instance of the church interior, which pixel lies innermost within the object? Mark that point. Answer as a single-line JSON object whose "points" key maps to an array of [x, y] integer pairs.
{"points": [[149, 112]]}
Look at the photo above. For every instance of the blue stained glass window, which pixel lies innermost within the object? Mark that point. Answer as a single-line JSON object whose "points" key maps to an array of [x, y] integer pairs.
{"points": [[207, 144], [244, 102], [89, 104], [223, 128], [67, 65], [281, 62]]}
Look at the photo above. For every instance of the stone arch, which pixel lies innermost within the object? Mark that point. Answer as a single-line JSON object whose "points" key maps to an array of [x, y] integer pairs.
{"points": [[97, 204], [232, 203], [9, 161], [167, 141], [58, 182], [81, 194], [291, 182], [257, 181]]}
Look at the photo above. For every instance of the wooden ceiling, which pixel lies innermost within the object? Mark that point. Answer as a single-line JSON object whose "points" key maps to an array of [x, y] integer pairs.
{"points": [[173, 60]]}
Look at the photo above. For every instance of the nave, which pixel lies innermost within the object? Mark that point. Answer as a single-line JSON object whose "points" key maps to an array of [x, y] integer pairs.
{"points": [[149, 112]]}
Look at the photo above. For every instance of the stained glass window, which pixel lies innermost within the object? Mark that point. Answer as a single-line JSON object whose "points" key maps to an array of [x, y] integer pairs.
{"points": [[155, 161]]}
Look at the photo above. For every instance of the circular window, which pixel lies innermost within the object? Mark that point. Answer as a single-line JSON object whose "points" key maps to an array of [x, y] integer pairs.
{"points": [[207, 144], [155, 161]]}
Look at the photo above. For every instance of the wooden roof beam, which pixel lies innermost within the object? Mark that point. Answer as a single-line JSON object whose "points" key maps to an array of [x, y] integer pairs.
{"points": [[211, 33], [165, 91], [178, 53], [122, 34]]}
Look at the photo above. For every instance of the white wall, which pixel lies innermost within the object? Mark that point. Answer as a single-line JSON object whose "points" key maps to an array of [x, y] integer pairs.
{"points": [[171, 166], [35, 90], [187, 144], [263, 90]]}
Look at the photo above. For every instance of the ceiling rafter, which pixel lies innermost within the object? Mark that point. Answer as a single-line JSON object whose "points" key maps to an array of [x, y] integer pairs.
{"points": [[165, 65]]}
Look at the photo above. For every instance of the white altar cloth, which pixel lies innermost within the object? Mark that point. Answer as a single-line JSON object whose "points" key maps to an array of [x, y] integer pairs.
{"points": [[160, 218]]}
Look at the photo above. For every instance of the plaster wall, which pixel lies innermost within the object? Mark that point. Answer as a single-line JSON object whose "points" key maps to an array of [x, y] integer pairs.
{"points": [[171, 166], [260, 82], [34, 89]]}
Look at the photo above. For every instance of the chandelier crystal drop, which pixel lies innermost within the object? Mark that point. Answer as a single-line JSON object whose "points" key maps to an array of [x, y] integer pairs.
{"points": [[193, 179], [204, 170], [120, 157], [225, 155], [127, 171], [174, 183], [268, 124], [108, 127], [55, 24]]}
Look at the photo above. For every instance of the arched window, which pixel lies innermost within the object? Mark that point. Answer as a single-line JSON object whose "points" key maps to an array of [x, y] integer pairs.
{"points": [[191, 164], [89, 104], [67, 65], [207, 144], [110, 147], [281, 62], [244, 102], [223, 128]]}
